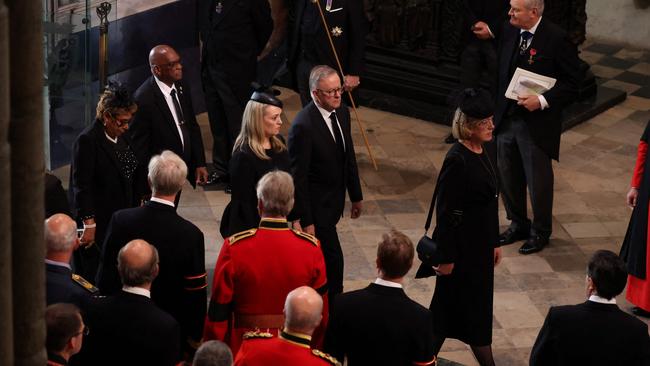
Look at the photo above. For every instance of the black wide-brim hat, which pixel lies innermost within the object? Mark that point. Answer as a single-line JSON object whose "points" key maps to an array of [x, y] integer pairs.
{"points": [[266, 95]]}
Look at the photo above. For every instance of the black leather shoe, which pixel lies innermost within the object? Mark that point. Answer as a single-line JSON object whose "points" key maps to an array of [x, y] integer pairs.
{"points": [[534, 244], [510, 236], [640, 312]]}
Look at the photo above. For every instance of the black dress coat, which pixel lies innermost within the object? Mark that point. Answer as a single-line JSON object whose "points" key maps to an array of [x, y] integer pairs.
{"points": [[60, 287], [312, 39], [153, 128], [245, 171], [129, 329], [180, 288], [320, 179], [467, 229], [591, 334], [634, 249], [233, 39], [555, 57], [379, 325]]}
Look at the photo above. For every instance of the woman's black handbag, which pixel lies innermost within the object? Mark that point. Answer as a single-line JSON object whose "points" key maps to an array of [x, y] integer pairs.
{"points": [[429, 252]]}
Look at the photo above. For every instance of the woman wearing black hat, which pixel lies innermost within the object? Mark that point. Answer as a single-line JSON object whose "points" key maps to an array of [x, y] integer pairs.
{"points": [[105, 174], [259, 149], [467, 231]]}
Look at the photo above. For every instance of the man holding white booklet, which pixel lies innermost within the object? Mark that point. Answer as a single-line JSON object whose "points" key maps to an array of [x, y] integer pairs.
{"points": [[538, 76]]}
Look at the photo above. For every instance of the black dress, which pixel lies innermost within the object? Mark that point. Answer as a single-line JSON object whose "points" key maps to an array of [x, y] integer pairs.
{"points": [[245, 171], [467, 230]]}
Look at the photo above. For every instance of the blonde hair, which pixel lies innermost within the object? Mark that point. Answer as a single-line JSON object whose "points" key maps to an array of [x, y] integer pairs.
{"points": [[252, 131], [462, 125]]}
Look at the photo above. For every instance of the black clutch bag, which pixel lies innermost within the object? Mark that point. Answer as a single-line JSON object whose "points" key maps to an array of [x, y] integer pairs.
{"points": [[429, 252]]}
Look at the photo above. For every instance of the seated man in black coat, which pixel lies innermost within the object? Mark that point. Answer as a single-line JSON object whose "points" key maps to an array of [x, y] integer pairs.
{"points": [[180, 288], [129, 328], [380, 325], [61, 285], [595, 332]]}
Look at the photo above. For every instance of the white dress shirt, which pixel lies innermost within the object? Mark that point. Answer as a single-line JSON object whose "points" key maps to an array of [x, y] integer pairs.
{"points": [[137, 291], [166, 91], [164, 202], [542, 100], [381, 282], [328, 122], [60, 264], [602, 300]]}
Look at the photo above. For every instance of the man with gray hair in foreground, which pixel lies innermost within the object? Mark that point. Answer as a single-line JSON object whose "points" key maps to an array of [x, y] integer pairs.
{"points": [[302, 315], [129, 328], [61, 284], [180, 288], [213, 353], [265, 264]]}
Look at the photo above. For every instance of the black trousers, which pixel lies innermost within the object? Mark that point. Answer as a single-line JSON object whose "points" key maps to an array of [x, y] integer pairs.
{"points": [[329, 241], [521, 163], [225, 112]]}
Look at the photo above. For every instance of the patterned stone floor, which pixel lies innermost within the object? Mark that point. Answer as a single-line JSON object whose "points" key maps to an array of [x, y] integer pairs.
{"points": [[592, 178]]}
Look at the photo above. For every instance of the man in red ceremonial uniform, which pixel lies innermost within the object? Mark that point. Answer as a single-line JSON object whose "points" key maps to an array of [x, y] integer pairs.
{"points": [[257, 268], [302, 312]]}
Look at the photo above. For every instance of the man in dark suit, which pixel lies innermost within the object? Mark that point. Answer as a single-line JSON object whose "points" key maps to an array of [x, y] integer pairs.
{"points": [[180, 288], [380, 325], [129, 327], [528, 129], [324, 167], [165, 118], [65, 332], [310, 46], [233, 34], [596, 332], [61, 285]]}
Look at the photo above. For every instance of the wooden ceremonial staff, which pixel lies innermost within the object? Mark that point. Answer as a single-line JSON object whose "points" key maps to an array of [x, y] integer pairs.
{"points": [[338, 63]]}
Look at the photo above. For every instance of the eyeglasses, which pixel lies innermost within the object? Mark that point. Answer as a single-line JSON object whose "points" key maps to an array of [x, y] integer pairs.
{"points": [[84, 331], [121, 121], [331, 92], [171, 65]]}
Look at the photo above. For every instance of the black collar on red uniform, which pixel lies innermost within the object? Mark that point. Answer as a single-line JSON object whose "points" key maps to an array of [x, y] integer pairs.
{"points": [[298, 339], [274, 224]]}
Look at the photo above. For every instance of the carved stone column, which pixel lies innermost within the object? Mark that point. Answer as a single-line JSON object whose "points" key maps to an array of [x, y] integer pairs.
{"points": [[27, 168], [6, 330]]}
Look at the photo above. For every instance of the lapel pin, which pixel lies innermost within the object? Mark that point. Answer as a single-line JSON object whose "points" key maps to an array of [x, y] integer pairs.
{"points": [[531, 54], [337, 31]]}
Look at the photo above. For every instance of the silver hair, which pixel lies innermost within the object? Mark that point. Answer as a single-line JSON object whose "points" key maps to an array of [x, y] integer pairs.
{"points": [[140, 275], [317, 74], [213, 353], [167, 173], [539, 4], [275, 190], [63, 239]]}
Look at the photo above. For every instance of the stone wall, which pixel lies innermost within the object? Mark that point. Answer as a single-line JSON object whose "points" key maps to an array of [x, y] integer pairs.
{"points": [[626, 22]]}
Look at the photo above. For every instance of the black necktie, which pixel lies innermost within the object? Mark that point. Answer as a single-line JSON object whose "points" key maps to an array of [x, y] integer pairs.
{"points": [[337, 133], [523, 45], [181, 121]]}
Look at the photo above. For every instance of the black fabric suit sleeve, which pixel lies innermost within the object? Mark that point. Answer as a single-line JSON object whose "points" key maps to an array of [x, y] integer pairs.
{"points": [[544, 351], [424, 352], [357, 35], [243, 181], [335, 337], [195, 294], [568, 75], [83, 163], [263, 23], [449, 205], [140, 127], [198, 152], [353, 183], [300, 146]]}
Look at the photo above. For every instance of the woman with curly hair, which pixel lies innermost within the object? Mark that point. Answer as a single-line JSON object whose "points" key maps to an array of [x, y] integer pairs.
{"points": [[105, 174]]}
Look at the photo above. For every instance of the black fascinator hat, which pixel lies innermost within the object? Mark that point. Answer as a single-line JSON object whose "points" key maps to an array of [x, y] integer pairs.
{"points": [[266, 95], [475, 103], [117, 96]]}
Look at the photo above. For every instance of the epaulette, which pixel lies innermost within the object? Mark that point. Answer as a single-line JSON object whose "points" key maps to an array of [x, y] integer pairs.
{"points": [[306, 236], [241, 235], [84, 283], [326, 357], [257, 334]]}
